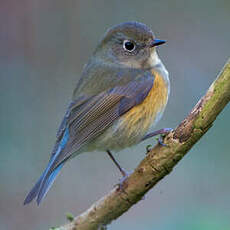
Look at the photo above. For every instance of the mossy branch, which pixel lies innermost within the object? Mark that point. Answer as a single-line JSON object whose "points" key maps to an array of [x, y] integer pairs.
{"points": [[160, 160]]}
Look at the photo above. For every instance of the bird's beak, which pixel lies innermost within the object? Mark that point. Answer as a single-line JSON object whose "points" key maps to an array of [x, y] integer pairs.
{"points": [[156, 42]]}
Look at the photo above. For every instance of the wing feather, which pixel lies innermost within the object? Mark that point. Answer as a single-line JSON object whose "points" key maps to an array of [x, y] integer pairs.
{"points": [[90, 118]]}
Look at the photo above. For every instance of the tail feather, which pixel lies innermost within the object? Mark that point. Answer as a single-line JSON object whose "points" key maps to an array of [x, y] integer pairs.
{"points": [[49, 175], [34, 192], [46, 185], [42, 186]]}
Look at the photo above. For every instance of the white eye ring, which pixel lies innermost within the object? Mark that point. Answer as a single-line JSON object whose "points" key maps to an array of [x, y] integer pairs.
{"points": [[128, 45]]}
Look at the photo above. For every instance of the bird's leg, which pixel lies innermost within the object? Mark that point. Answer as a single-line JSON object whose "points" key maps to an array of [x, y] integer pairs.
{"points": [[158, 132], [123, 172]]}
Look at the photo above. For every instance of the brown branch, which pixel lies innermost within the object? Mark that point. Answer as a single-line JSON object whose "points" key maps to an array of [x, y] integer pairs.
{"points": [[160, 160]]}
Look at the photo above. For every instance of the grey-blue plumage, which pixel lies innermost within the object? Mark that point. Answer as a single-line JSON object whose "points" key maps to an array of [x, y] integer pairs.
{"points": [[122, 91]]}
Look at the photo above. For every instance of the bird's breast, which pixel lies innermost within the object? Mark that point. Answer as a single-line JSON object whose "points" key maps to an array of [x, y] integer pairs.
{"points": [[142, 116], [133, 125]]}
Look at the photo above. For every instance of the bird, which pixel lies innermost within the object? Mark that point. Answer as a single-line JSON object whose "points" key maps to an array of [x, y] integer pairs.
{"points": [[121, 93]]}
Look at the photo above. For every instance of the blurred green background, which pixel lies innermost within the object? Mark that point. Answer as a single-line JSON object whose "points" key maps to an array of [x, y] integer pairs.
{"points": [[43, 47]]}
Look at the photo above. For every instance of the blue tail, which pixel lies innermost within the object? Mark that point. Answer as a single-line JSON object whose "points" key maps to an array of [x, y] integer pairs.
{"points": [[47, 178], [42, 186]]}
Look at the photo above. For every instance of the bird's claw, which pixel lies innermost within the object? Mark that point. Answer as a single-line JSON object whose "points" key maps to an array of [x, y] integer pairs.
{"points": [[148, 148], [122, 184], [160, 140]]}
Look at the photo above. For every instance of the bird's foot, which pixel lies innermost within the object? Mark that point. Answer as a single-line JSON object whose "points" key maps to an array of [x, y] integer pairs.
{"points": [[162, 135], [160, 140], [148, 149], [122, 182], [161, 132]]}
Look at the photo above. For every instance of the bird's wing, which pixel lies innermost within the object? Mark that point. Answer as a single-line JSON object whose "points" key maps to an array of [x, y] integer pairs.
{"points": [[89, 118], [86, 119]]}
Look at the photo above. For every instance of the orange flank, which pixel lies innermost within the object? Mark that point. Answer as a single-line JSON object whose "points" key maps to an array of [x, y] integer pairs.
{"points": [[142, 116]]}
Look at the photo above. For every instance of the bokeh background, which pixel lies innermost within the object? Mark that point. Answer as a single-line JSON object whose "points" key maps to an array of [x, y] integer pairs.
{"points": [[43, 47]]}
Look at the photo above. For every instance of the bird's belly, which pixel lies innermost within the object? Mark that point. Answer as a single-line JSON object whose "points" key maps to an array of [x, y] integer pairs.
{"points": [[133, 125]]}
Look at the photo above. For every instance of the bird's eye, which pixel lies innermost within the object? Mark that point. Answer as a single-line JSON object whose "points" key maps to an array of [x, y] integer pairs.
{"points": [[128, 46]]}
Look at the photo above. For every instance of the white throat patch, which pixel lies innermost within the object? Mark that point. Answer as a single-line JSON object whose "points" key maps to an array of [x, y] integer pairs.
{"points": [[154, 59]]}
